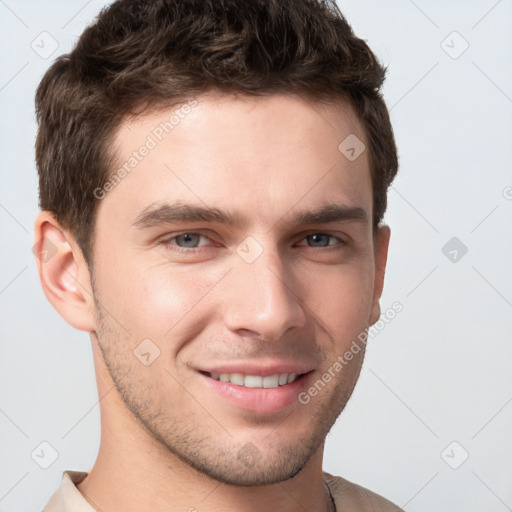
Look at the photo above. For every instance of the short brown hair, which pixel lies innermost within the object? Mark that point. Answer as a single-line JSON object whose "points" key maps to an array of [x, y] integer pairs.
{"points": [[160, 52]]}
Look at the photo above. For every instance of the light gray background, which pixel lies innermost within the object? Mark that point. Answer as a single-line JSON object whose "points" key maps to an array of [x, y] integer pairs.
{"points": [[438, 373]]}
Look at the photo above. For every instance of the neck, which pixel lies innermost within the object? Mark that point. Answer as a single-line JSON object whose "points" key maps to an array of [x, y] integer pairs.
{"points": [[127, 478]]}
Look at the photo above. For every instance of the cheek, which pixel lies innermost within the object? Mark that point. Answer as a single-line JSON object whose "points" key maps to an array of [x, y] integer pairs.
{"points": [[341, 298], [157, 300]]}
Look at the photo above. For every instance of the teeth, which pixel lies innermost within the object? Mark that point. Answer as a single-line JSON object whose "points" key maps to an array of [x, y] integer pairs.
{"points": [[256, 381], [272, 381], [237, 378], [253, 381]]}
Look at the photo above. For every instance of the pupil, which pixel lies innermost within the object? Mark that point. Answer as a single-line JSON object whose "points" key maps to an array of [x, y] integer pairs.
{"points": [[188, 239], [320, 238]]}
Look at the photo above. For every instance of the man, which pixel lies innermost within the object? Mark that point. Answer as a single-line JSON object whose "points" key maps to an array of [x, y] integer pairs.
{"points": [[213, 178]]}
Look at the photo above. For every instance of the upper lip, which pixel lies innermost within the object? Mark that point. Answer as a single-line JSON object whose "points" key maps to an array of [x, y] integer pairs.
{"points": [[257, 368]]}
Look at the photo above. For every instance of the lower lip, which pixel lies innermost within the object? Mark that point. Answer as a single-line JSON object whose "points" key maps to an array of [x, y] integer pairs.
{"points": [[259, 400]]}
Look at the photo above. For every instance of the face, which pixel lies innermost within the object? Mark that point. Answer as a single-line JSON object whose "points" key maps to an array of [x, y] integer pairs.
{"points": [[233, 264]]}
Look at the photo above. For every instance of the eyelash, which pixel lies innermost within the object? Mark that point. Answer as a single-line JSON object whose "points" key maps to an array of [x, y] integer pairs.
{"points": [[192, 250]]}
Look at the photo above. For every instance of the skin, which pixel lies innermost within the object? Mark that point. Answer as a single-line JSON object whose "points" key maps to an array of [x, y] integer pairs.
{"points": [[168, 441]]}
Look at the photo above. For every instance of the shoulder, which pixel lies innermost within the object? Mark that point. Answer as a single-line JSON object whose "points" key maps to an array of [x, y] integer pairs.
{"points": [[354, 498], [67, 498]]}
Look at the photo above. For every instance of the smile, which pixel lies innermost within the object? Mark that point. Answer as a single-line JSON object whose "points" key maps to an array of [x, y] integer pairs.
{"points": [[255, 381]]}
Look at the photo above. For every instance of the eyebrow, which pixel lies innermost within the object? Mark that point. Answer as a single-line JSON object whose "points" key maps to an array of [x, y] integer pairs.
{"points": [[181, 212], [331, 213], [168, 213]]}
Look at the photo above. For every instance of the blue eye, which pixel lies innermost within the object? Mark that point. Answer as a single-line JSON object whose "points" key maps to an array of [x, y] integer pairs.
{"points": [[186, 242], [191, 242], [319, 239], [323, 240], [189, 239]]}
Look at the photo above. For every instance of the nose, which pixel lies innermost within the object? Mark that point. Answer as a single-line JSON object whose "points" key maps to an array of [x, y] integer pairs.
{"points": [[259, 299]]}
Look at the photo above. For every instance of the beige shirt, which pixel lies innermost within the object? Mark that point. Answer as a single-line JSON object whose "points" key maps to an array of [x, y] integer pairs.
{"points": [[348, 497]]}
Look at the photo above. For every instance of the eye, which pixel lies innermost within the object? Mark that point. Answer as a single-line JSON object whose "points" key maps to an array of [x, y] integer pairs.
{"points": [[324, 240], [185, 241]]}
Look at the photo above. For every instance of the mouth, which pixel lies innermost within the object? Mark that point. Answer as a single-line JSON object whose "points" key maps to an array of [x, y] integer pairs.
{"points": [[272, 392], [255, 381]]}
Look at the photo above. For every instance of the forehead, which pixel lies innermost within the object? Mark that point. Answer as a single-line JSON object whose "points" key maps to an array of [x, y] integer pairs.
{"points": [[264, 156]]}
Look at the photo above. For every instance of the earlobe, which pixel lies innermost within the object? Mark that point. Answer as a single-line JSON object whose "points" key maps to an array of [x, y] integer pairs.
{"points": [[381, 256], [63, 272]]}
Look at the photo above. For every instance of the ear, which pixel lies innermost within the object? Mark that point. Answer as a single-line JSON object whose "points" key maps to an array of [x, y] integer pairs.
{"points": [[381, 256], [63, 272]]}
